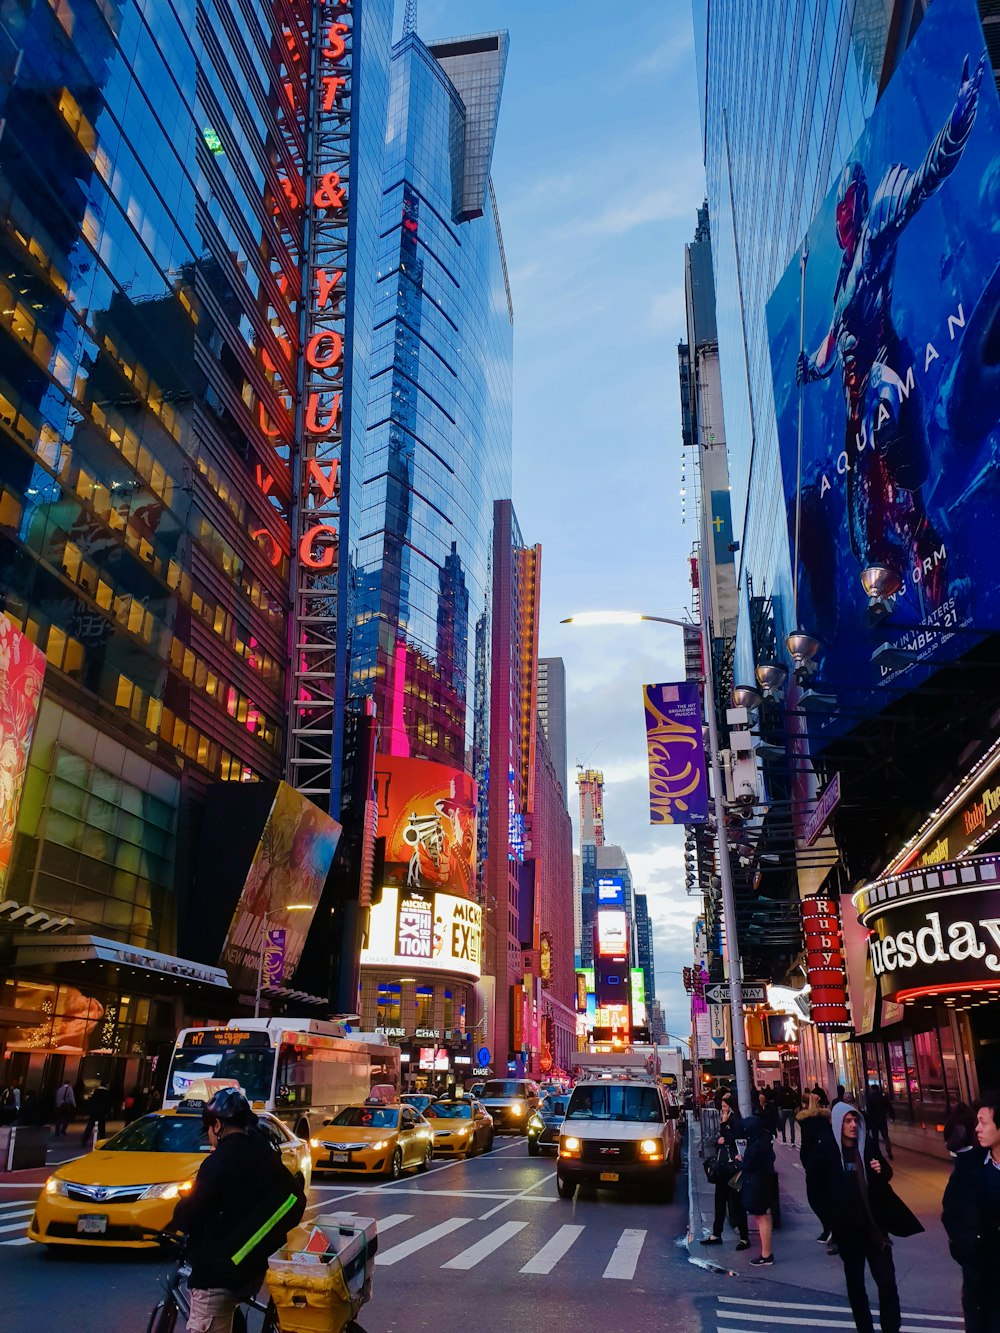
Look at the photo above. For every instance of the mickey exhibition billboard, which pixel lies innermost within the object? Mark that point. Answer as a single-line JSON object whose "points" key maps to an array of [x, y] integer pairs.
{"points": [[888, 394]]}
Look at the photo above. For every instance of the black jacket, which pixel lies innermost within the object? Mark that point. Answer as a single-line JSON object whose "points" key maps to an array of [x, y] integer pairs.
{"points": [[239, 1188], [833, 1184], [962, 1208], [757, 1181], [814, 1129]]}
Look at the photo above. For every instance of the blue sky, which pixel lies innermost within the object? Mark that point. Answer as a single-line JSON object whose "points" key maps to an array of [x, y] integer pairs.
{"points": [[598, 174]]}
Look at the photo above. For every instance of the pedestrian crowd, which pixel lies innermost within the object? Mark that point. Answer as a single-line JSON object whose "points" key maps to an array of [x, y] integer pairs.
{"points": [[60, 1109], [846, 1153]]}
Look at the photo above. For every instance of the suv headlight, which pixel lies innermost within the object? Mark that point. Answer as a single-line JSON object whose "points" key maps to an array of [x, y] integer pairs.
{"points": [[650, 1149], [56, 1186], [517, 1109], [569, 1147], [169, 1190]]}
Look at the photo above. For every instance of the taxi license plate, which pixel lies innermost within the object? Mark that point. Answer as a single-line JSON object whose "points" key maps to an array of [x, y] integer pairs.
{"points": [[340, 1157], [92, 1224], [609, 1175]]}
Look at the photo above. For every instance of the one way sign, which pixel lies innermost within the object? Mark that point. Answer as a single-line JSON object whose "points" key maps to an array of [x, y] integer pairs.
{"points": [[754, 992]]}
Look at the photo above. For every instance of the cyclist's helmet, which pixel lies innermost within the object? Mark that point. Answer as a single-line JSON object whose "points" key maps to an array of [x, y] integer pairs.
{"points": [[231, 1107]]}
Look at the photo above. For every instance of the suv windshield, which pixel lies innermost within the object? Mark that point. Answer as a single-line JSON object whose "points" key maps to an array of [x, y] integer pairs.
{"points": [[366, 1117], [504, 1087], [161, 1133], [615, 1101]]}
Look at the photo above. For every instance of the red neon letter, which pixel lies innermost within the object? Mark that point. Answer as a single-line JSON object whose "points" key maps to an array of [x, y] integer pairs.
{"points": [[327, 555], [333, 85], [317, 359], [264, 480], [273, 549], [336, 46], [326, 481], [330, 193], [313, 425], [326, 285]]}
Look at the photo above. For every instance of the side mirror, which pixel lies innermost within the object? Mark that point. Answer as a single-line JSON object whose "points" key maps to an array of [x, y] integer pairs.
{"points": [[673, 1112]]}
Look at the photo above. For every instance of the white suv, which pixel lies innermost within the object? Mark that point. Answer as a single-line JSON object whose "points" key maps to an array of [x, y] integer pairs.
{"points": [[619, 1132]]}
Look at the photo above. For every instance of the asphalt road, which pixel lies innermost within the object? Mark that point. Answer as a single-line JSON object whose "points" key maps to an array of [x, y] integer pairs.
{"points": [[484, 1245]]}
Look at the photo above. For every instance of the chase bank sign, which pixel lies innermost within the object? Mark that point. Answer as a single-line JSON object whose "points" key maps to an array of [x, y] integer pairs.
{"points": [[936, 928]]}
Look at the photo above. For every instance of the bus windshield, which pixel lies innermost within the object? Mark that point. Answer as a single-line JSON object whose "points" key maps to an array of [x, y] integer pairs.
{"points": [[251, 1067]]}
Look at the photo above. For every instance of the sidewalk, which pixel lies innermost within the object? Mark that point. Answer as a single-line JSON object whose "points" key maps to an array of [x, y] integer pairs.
{"points": [[927, 1276], [58, 1150]]}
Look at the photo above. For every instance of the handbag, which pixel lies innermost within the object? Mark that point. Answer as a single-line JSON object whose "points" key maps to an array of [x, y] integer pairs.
{"points": [[711, 1165], [734, 1181]]}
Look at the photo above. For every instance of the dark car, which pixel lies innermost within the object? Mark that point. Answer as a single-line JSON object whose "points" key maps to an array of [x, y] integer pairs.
{"points": [[543, 1127], [511, 1102]]}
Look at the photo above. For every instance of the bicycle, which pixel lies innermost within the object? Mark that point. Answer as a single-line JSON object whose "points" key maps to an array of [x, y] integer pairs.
{"points": [[174, 1306]]}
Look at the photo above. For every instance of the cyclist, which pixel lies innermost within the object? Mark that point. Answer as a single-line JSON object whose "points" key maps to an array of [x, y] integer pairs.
{"points": [[242, 1207]]}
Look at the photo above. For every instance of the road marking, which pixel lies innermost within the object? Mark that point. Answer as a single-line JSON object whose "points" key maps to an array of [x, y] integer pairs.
{"points": [[24, 1240], [384, 1223], [848, 1322], [435, 1170], [505, 1195], [553, 1250], [421, 1241], [830, 1309], [482, 1248], [622, 1263], [17, 1226], [515, 1198]]}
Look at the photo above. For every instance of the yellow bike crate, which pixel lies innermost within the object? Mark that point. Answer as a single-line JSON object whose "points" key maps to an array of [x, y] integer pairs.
{"points": [[312, 1296]]}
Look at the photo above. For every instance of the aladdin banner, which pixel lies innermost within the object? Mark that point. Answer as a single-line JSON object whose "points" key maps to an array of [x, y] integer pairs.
{"points": [[22, 668], [678, 782], [888, 401]]}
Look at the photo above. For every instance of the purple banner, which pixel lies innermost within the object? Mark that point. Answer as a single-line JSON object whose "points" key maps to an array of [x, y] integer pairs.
{"points": [[678, 781], [274, 957]]}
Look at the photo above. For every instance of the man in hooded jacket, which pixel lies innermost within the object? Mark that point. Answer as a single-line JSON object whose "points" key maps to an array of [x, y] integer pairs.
{"points": [[864, 1212]]}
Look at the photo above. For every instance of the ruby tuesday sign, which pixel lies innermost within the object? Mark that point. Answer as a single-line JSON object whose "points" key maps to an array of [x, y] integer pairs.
{"points": [[938, 928]]}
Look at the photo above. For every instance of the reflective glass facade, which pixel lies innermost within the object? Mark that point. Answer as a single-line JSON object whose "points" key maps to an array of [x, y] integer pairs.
{"points": [[786, 91], [439, 436]]}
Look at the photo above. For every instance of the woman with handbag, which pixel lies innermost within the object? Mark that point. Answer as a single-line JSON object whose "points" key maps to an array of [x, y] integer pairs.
{"points": [[721, 1170]]}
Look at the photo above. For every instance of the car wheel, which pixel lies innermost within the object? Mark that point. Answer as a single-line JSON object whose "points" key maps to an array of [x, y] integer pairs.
{"points": [[564, 1188], [396, 1165], [471, 1149], [489, 1143], [428, 1157], [533, 1148]]}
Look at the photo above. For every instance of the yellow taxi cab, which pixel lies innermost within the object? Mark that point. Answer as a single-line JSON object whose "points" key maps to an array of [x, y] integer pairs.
{"points": [[130, 1183], [375, 1138], [462, 1127]]}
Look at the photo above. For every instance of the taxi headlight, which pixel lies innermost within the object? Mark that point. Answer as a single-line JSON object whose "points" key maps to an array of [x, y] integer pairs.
{"points": [[56, 1186], [168, 1190], [382, 1143], [315, 1143]]}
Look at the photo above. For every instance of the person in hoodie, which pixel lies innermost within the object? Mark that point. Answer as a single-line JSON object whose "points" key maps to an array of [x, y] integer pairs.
{"points": [[814, 1132], [758, 1184], [962, 1212], [853, 1178]]}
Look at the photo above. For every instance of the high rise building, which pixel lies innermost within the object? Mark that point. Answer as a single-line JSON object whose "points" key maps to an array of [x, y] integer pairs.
{"points": [[164, 538], [552, 715], [852, 579], [644, 947], [590, 783], [437, 456]]}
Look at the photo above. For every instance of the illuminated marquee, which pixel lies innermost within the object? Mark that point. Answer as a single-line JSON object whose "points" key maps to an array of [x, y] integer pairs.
{"points": [[437, 932]]}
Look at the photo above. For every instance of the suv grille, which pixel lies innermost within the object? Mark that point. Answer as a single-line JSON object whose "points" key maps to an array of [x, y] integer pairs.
{"points": [[607, 1150]]}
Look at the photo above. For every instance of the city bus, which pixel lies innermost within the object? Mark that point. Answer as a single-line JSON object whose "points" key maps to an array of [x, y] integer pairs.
{"points": [[301, 1069]]}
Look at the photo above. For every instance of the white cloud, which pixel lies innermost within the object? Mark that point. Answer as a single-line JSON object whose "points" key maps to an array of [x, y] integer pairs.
{"points": [[667, 310], [670, 54]]}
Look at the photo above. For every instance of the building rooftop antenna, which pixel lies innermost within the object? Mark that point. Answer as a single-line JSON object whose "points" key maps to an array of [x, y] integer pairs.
{"points": [[410, 17]]}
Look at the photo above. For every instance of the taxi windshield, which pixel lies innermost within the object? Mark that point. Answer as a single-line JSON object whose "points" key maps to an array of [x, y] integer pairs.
{"points": [[451, 1111], [160, 1133], [503, 1087], [367, 1117], [613, 1101]]}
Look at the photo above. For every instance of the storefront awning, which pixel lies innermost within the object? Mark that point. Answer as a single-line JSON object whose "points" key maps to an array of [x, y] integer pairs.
{"points": [[74, 949]]}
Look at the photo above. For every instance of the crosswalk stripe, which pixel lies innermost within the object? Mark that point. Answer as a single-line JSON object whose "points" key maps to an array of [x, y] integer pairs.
{"points": [[846, 1322], [16, 1226], [384, 1223], [622, 1263], [830, 1309], [553, 1250], [21, 1211], [421, 1241], [482, 1248], [22, 1240]]}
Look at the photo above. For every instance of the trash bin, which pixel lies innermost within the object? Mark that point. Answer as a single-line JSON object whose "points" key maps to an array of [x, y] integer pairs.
{"points": [[23, 1146]]}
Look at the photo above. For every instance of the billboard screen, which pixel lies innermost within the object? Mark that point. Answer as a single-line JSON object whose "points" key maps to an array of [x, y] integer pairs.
{"points": [[610, 891], [612, 933], [436, 932], [675, 748], [894, 378], [22, 668], [427, 815], [292, 861]]}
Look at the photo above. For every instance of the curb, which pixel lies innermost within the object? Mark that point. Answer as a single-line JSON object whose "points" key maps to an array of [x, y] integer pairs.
{"points": [[697, 1259]]}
